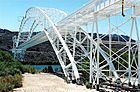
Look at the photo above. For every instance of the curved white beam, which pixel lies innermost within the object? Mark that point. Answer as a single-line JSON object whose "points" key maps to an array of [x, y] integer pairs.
{"points": [[39, 38]]}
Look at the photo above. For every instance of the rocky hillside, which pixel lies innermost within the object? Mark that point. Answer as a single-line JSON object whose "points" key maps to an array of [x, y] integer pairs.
{"points": [[42, 53], [39, 54], [6, 39]]}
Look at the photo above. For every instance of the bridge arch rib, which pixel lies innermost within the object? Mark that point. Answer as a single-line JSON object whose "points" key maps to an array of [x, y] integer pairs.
{"points": [[73, 44], [38, 19]]}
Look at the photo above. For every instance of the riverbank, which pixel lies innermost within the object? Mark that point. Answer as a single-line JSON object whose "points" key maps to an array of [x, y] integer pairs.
{"points": [[45, 82]]}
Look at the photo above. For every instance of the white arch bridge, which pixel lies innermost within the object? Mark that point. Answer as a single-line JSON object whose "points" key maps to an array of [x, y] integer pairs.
{"points": [[96, 39]]}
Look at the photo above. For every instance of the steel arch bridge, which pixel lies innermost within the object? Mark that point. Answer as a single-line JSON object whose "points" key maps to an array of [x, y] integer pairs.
{"points": [[96, 38]]}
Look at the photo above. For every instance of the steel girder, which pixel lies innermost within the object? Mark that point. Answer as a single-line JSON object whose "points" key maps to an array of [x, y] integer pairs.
{"points": [[73, 44], [46, 22]]}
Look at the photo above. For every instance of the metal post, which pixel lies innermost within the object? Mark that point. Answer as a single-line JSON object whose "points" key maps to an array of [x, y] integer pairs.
{"points": [[139, 64], [58, 44], [98, 44], [91, 53], [64, 52], [87, 40], [80, 36], [129, 53], [138, 39], [74, 45], [110, 39], [74, 42]]}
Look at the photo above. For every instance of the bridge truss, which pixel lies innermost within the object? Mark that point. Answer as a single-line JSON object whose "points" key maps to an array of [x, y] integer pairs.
{"points": [[96, 38]]}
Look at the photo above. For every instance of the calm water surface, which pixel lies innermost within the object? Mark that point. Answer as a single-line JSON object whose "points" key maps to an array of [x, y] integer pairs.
{"points": [[56, 68]]}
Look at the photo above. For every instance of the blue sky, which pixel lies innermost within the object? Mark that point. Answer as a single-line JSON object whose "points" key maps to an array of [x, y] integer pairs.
{"points": [[11, 11]]}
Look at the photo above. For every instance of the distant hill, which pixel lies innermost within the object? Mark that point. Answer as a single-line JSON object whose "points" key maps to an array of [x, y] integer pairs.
{"points": [[6, 39], [43, 53], [39, 54]]}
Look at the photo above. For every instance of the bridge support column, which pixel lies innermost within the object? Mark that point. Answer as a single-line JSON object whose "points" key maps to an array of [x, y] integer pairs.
{"points": [[91, 54], [98, 55], [110, 46], [19, 54], [74, 46], [139, 64], [129, 53]]}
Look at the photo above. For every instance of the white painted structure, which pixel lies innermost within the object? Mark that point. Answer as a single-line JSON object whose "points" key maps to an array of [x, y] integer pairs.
{"points": [[72, 43]]}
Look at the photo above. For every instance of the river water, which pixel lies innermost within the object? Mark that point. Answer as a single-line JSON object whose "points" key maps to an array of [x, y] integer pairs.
{"points": [[56, 68]]}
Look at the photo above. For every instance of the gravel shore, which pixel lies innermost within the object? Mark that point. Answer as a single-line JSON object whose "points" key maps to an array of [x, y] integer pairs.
{"points": [[45, 82]]}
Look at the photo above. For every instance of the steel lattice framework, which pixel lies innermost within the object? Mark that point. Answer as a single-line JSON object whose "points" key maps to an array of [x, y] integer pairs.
{"points": [[95, 38]]}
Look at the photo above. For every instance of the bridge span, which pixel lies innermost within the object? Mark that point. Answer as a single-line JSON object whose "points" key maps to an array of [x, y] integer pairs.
{"points": [[79, 41]]}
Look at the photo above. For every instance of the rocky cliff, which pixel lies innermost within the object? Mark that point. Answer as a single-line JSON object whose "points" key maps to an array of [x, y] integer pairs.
{"points": [[39, 54]]}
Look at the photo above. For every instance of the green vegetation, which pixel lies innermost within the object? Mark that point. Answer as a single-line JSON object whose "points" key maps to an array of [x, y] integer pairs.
{"points": [[48, 69], [85, 74], [45, 70], [10, 72], [9, 82]]}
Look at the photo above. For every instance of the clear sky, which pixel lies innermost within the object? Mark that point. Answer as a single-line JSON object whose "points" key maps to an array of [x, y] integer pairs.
{"points": [[12, 11]]}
